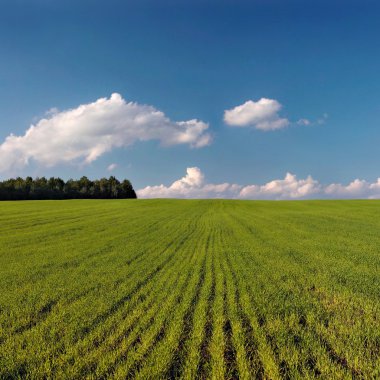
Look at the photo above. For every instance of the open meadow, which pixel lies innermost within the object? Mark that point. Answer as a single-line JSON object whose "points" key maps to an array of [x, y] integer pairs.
{"points": [[219, 289]]}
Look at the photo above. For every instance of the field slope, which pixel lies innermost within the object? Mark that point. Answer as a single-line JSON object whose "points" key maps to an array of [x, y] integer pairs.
{"points": [[217, 289]]}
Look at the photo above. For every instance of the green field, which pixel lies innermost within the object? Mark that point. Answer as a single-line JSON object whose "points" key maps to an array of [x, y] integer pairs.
{"points": [[217, 289]]}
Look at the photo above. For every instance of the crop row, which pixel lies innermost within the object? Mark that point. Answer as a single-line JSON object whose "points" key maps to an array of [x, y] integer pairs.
{"points": [[190, 289]]}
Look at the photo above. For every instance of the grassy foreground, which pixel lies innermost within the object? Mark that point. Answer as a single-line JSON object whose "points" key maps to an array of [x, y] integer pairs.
{"points": [[189, 289]]}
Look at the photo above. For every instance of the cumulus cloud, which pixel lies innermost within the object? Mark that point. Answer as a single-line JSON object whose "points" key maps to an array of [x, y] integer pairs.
{"points": [[111, 167], [262, 115], [194, 185], [83, 134], [288, 188], [356, 189]]}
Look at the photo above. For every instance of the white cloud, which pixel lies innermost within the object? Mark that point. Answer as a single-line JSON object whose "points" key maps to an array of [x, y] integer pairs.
{"points": [[356, 189], [193, 185], [262, 115], [111, 167], [288, 188], [83, 134]]}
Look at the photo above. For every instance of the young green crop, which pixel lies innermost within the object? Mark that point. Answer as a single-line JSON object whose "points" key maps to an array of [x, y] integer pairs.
{"points": [[208, 289]]}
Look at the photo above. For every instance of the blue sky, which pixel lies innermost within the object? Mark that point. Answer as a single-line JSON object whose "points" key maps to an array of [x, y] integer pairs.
{"points": [[194, 60]]}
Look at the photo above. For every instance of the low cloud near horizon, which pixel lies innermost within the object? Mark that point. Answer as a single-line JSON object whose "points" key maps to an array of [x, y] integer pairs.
{"points": [[194, 185], [83, 134]]}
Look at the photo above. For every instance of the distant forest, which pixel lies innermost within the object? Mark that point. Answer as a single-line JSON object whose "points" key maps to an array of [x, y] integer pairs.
{"points": [[57, 188]]}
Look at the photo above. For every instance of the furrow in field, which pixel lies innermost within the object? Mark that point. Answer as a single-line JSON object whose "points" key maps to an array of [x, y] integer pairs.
{"points": [[203, 368], [35, 316], [229, 348], [186, 359], [123, 300], [77, 257], [109, 341], [121, 333], [267, 356], [264, 360], [59, 345], [329, 329], [189, 289], [100, 318], [245, 339], [239, 334], [217, 345], [176, 362], [273, 363], [313, 359], [148, 331], [109, 360], [160, 358]]}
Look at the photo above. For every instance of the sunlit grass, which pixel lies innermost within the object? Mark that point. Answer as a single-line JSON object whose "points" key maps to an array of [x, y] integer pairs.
{"points": [[189, 289]]}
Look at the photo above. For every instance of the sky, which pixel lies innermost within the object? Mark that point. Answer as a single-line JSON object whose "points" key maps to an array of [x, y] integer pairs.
{"points": [[234, 99]]}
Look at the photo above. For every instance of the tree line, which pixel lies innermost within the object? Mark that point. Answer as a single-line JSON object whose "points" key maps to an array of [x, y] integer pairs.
{"points": [[56, 188]]}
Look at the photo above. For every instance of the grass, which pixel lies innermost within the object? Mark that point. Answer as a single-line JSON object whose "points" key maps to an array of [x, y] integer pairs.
{"points": [[189, 289]]}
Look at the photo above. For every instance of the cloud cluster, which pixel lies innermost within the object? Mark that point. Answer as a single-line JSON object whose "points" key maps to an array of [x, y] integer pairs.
{"points": [[85, 133], [193, 185], [356, 189], [288, 188], [262, 115]]}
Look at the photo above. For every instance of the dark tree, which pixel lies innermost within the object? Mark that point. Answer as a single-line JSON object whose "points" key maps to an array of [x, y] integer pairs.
{"points": [[56, 188]]}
